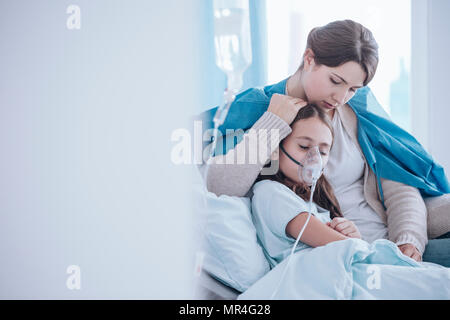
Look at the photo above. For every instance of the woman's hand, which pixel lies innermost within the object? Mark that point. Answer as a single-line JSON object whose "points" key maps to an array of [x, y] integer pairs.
{"points": [[345, 227], [285, 107], [411, 251]]}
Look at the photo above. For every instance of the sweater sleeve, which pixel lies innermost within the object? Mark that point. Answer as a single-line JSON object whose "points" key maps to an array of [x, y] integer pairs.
{"points": [[233, 174], [406, 214]]}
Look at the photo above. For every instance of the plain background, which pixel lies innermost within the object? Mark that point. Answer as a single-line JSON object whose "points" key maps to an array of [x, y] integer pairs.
{"points": [[86, 118]]}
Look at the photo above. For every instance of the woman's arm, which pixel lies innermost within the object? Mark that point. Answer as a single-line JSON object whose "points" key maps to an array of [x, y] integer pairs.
{"points": [[316, 232], [406, 214], [229, 175]]}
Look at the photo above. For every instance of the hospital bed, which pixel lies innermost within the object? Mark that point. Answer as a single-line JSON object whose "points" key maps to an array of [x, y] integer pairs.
{"points": [[208, 288], [234, 260]]}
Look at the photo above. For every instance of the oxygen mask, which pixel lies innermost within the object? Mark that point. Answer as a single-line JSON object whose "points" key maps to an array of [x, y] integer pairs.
{"points": [[311, 169]]}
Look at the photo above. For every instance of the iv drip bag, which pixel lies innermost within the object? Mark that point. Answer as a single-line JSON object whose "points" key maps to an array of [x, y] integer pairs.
{"points": [[232, 40]]}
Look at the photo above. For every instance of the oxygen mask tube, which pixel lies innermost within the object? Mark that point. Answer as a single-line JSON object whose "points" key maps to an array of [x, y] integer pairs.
{"points": [[308, 172]]}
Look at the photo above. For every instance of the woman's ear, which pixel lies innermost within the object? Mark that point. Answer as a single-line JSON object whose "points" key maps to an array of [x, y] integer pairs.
{"points": [[308, 59]]}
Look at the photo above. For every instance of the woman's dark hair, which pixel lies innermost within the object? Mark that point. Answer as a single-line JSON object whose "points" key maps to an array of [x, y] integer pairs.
{"points": [[323, 194], [339, 42]]}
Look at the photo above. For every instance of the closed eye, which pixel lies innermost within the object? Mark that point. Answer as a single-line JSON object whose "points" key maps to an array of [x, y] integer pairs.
{"points": [[336, 82], [306, 148]]}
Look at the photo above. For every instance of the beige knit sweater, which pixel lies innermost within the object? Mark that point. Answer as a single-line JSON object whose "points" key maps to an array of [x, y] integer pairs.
{"points": [[406, 211]]}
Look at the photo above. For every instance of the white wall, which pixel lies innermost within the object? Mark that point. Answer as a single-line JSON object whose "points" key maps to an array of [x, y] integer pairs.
{"points": [[438, 77], [86, 118], [430, 77]]}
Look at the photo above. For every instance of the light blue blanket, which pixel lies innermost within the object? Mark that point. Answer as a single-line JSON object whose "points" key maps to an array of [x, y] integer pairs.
{"points": [[353, 269]]}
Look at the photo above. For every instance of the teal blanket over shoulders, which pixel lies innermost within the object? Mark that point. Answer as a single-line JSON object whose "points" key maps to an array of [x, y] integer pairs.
{"points": [[391, 152]]}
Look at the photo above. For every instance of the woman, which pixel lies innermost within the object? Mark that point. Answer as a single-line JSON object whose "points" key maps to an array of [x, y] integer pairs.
{"points": [[340, 58]]}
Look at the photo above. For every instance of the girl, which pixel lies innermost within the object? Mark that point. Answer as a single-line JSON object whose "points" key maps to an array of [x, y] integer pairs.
{"points": [[280, 202], [341, 270]]}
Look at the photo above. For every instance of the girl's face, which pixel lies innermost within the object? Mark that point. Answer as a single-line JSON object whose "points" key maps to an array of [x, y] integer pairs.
{"points": [[330, 88], [306, 133]]}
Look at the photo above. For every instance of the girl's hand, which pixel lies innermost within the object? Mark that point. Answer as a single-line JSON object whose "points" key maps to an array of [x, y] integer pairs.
{"points": [[285, 107], [345, 227]]}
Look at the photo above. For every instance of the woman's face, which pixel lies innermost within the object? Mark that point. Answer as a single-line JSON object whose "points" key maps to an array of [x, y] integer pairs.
{"points": [[306, 133], [330, 88]]}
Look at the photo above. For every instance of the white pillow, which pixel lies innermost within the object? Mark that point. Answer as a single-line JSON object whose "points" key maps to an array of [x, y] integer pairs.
{"points": [[232, 253]]}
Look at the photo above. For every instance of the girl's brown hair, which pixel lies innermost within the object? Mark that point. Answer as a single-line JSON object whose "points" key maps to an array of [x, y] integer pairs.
{"points": [[339, 42], [323, 195]]}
